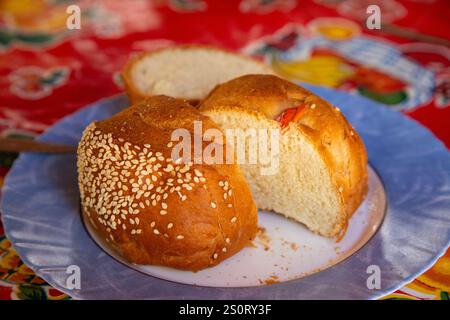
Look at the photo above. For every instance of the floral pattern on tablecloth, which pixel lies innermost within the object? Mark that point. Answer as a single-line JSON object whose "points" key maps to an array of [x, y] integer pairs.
{"points": [[48, 71]]}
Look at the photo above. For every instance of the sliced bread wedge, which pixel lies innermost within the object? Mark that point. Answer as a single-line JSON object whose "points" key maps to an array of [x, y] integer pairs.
{"points": [[320, 177], [189, 71]]}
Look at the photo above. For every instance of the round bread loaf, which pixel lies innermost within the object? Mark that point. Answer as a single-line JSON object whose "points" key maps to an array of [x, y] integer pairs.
{"points": [[154, 209], [322, 176]]}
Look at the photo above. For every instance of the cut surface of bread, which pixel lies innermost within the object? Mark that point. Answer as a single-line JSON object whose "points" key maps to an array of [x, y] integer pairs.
{"points": [[322, 175], [188, 72]]}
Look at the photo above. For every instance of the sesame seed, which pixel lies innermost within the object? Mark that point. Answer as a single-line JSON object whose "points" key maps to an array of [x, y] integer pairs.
{"points": [[180, 237], [229, 205], [313, 106], [198, 173], [170, 225], [227, 240], [163, 212], [152, 224], [215, 256], [164, 205], [224, 249], [341, 189], [155, 231], [233, 220], [213, 205]]}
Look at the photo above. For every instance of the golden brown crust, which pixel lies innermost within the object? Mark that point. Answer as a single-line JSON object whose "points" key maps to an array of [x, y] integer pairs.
{"points": [[326, 127], [134, 93], [178, 226]]}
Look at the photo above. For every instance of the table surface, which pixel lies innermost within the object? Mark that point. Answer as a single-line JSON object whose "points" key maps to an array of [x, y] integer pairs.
{"points": [[48, 71]]}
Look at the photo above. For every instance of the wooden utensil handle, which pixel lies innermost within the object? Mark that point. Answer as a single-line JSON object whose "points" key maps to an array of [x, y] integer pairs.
{"points": [[23, 145]]}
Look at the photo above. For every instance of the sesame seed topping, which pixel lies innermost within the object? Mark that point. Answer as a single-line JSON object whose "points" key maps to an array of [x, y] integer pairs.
{"points": [[180, 237], [313, 106], [213, 205], [120, 179], [215, 256], [233, 220], [227, 240], [155, 231]]}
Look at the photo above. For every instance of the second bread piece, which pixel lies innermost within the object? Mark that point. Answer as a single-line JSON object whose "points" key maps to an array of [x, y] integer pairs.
{"points": [[322, 175], [189, 72]]}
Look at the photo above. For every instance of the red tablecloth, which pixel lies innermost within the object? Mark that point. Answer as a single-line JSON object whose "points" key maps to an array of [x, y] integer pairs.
{"points": [[48, 71]]}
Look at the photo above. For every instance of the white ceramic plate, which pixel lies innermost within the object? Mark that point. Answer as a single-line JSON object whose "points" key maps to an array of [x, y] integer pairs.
{"points": [[283, 250], [40, 212]]}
